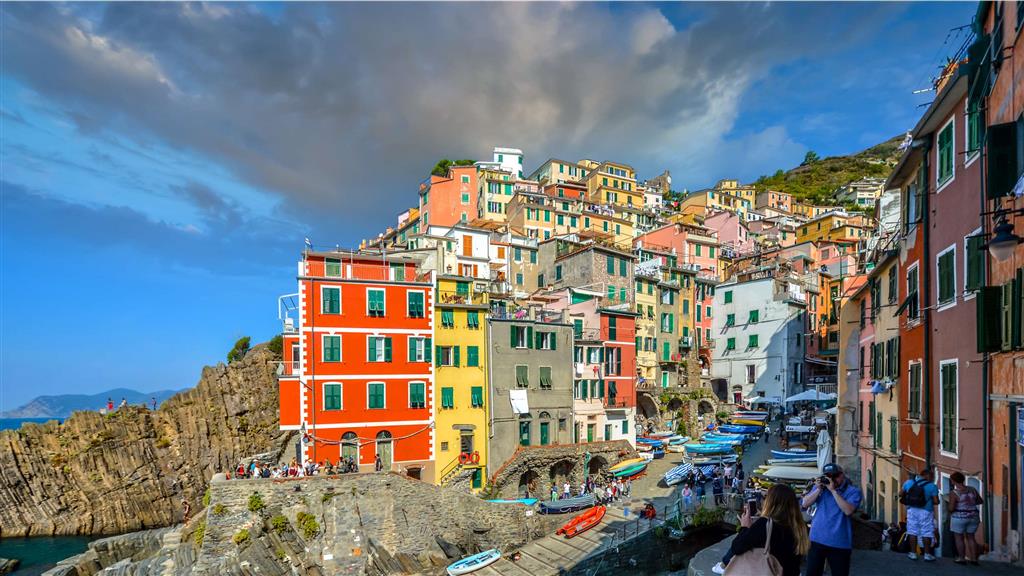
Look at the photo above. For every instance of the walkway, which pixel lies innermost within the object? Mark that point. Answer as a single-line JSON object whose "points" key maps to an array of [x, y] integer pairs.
{"points": [[552, 555]]}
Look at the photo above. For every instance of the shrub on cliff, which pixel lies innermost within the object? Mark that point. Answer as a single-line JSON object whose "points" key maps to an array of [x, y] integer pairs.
{"points": [[276, 345], [238, 352], [279, 523], [256, 502], [241, 537], [310, 527], [200, 533]]}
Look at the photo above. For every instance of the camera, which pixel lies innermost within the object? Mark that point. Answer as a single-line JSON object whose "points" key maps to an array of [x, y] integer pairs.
{"points": [[825, 480]]}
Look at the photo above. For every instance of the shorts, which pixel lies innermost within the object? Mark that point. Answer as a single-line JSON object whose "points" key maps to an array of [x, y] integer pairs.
{"points": [[967, 525], [920, 522]]}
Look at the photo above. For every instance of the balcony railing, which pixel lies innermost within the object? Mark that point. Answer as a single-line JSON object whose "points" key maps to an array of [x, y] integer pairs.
{"points": [[707, 343], [616, 402], [466, 298], [360, 271], [287, 369]]}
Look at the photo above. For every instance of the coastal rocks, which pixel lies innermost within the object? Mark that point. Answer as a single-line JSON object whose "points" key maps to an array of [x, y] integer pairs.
{"points": [[7, 565], [145, 553], [132, 469]]}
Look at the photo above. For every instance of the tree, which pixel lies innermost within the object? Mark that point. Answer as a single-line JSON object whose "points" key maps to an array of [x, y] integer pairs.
{"points": [[276, 345], [238, 352], [810, 158], [444, 164]]}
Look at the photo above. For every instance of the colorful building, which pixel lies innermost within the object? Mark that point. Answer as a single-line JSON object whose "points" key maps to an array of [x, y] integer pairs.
{"points": [[450, 199], [614, 183]]}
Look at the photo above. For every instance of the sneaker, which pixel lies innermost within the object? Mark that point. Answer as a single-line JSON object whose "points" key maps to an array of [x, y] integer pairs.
{"points": [[929, 558], [912, 556], [718, 568]]}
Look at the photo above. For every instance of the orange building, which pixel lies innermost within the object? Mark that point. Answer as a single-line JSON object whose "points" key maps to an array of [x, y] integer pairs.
{"points": [[357, 378], [448, 200]]}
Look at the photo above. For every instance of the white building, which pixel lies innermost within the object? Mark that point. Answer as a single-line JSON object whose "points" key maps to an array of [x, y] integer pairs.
{"points": [[863, 192], [510, 160], [759, 341]]}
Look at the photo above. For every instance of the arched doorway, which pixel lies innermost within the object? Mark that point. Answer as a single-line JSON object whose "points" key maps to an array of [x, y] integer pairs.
{"points": [[561, 471], [528, 484], [384, 449], [350, 447], [675, 404], [648, 407], [704, 407], [597, 465]]}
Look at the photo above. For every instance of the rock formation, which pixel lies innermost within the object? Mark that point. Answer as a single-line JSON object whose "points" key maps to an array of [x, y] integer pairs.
{"points": [[132, 469]]}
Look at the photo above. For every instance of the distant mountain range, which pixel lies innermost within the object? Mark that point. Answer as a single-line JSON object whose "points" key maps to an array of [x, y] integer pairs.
{"points": [[62, 405]]}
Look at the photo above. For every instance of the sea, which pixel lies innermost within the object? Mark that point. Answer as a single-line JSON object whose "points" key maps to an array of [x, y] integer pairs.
{"points": [[39, 553]]}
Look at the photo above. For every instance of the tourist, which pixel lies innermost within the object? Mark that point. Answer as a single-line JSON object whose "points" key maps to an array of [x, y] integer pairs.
{"points": [[737, 485], [599, 494], [739, 471], [378, 465], [124, 403], [629, 486], [687, 497], [717, 490], [583, 488], [700, 492], [831, 529], [187, 513], [110, 404], [566, 490], [767, 433], [789, 539], [964, 501], [729, 472], [920, 495]]}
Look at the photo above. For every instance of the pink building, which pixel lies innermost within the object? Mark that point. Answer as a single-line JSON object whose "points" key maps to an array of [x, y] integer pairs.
{"points": [[731, 232]]}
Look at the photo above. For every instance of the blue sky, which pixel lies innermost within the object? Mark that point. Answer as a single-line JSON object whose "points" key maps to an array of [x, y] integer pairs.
{"points": [[161, 164]]}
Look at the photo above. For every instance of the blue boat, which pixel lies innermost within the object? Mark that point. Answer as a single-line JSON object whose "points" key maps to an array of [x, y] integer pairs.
{"points": [[676, 475], [787, 455], [652, 441], [708, 440], [659, 454], [677, 439], [527, 501], [712, 436], [707, 448], [739, 429], [567, 504], [474, 562]]}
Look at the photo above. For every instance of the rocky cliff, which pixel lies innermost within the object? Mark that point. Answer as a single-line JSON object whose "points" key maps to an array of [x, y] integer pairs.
{"points": [[130, 470]]}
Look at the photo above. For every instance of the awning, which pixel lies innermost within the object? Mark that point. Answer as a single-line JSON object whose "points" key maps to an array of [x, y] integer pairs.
{"points": [[520, 404]]}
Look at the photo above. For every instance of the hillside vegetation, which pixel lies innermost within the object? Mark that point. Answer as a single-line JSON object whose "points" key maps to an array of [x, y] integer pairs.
{"points": [[816, 180]]}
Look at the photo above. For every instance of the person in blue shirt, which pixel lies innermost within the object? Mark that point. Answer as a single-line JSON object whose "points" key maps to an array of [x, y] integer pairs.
{"points": [[831, 531], [920, 495]]}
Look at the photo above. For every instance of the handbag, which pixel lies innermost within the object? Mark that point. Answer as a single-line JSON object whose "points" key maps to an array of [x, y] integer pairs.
{"points": [[756, 562]]}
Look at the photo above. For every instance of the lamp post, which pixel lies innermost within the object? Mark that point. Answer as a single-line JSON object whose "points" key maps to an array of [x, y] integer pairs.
{"points": [[1004, 241]]}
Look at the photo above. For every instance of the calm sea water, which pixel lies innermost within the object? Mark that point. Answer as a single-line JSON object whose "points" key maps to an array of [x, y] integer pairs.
{"points": [[14, 423], [40, 553]]}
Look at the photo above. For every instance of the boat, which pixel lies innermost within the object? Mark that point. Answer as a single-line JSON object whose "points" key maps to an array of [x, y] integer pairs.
{"points": [[675, 448], [707, 448], [801, 429], [659, 454], [648, 456], [747, 422], [567, 504], [474, 562], [677, 439], [644, 448], [661, 434], [740, 429], [761, 413], [626, 464], [527, 501], [676, 475], [714, 459], [715, 436], [583, 522], [802, 473], [707, 440], [787, 455], [792, 462], [631, 471], [651, 441]]}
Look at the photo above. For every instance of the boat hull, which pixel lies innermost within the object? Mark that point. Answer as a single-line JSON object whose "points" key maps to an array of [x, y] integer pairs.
{"points": [[583, 522], [567, 505], [474, 562]]}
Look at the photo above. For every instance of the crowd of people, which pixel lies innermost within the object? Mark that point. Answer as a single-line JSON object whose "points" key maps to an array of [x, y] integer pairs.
{"points": [[257, 469], [604, 492], [726, 479]]}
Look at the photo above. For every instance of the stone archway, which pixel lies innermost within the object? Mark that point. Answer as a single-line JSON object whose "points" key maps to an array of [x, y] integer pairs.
{"points": [[647, 406], [528, 484], [561, 471], [597, 466], [675, 404], [705, 407]]}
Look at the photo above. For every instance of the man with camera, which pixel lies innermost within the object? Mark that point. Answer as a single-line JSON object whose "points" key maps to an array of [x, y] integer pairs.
{"points": [[920, 495], [831, 530]]}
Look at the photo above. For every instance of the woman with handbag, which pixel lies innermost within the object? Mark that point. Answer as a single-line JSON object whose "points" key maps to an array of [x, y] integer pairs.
{"points": [[771, 544]]}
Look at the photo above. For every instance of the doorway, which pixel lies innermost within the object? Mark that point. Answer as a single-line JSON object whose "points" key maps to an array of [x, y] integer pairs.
{"points": [[384, 449]]}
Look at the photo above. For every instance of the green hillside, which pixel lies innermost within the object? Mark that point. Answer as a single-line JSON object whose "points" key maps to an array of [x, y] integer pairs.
{"points": [[815, 179]]}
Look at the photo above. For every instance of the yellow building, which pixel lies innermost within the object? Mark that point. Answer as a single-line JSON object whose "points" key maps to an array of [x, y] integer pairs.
{"points": [[811, 211], [496, 190], [734, 188], [647, 277], [532, 215], [601, 223], [832, 227], [555, 171], [614, 183], [460, 378], [707, 201]]}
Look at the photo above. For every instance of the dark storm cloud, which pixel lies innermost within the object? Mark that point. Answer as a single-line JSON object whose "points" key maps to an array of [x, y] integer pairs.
{"points": [[341, 109]]}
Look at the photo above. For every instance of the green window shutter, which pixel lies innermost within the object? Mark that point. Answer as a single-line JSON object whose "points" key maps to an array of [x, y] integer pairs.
{"points": [[730, 344], [533, 257], [754, 316], [622, 294], [638, 343], [371, 349], [538, 342], [728, 297], [665, 355], [946, 288], [411, 355], [730, 319], [545, 377], [473, 319], [613, 328], [577, 328], [332, 396], [1006, 313], [752, 341], [1002, 154], [975, 261], [611, 292], [462, 288], [1015, 309], [522, 376], [447, 398], [686, 306], [387, 349], [437, 356], [426, 350], [455, 355], [472, 356], [529, 336], [376, 393], [622, 267], [512, 336], [554, 340], [610, 264], [477, 396], [600, 388]]}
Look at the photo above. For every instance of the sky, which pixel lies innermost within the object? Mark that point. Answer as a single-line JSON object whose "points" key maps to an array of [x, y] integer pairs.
{"points": [[161, 164]]}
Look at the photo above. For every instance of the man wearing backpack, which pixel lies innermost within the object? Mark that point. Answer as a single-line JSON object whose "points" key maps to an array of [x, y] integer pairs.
{"points": [[920, 495]]}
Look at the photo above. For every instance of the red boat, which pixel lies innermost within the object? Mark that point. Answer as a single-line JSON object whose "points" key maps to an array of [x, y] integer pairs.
{"points": [[583, 522]]}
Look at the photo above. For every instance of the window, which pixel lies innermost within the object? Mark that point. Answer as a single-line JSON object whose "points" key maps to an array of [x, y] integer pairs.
{"points": [[330, 300], [519, 279], [473, 319], [332, 396], [730, 344], [332, 348], [892, 285], [476, 396], [447, 398], [533, 257], [417, 395], [948, 401], [540, 281], [625, 427], [974, 128], [465, 177], [974, 259], [521, 336], [612, 328], [545, 377], [447, 355], [375, 302], [558, 272], [375, 395], [472, 356], [378, 349], [522, 376], [945, 263], [415, 304], [892, 434], [666, 323], [751, 373], [517, 254], [913, 307], [944, 155], [545, 340], [752, 341], [447, 319], [622, 266], [418, 347], [914, 391], [610, 265], [754, 316], [545, 433], [524, 433], [332, 267], [465, 199]]}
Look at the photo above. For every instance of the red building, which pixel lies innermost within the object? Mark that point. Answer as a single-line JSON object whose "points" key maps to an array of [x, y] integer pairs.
{"points": [[618, 331], [450, 199], [357, 377]]}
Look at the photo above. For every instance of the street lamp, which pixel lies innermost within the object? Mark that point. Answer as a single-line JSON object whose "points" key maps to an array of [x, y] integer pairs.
{"points": [[1004, 241]]}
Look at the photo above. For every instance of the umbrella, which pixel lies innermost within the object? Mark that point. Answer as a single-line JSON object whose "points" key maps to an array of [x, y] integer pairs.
{"points": [[832, 410], [760, 400], [824, 449], [811, 395]]}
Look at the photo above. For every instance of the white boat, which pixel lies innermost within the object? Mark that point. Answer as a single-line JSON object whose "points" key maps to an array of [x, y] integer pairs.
{"points": [[675, 448], [801, 473], [647, 456], [474, 562], [792, 462]]}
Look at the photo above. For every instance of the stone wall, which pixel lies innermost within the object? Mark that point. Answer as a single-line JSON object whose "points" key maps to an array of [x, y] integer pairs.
{"points": [[130, 470], [548, 464]]}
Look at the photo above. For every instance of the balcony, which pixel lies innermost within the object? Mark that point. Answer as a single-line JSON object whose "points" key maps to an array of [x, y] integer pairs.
{"points": [[587, 334], [287, 369], [686, 342], [707, 343], [454, 297], [615, 402], [673, 359]]}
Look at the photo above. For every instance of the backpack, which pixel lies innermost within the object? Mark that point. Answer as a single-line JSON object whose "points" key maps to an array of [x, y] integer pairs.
{"points": [[756, 562], [915, 496]]}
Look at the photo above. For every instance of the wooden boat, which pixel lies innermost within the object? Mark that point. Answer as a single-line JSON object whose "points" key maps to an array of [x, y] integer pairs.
{"points": [[707, 448], [740, 429], [675, 448], [676, 475], [474, 562], [527, 501], [658, 454], [787, 455], [800, 473], [747, 422], [677, 439], [631, 471], [583, 522], [648, 455], [625, 464], [567, 504], [644, 447]]}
